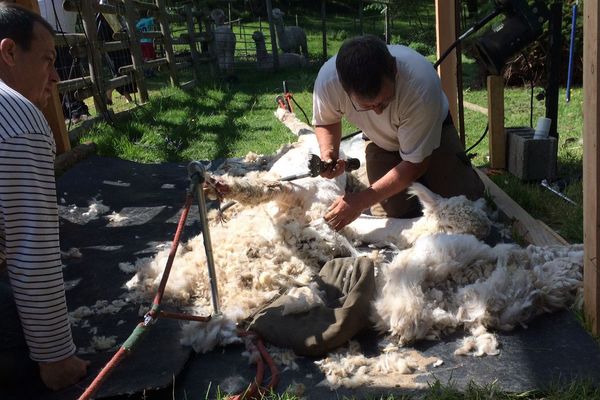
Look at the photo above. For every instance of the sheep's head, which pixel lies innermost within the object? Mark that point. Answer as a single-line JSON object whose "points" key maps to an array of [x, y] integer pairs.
{"points": [[277, 13], [218, 16], [455, 214], [258, 36]]}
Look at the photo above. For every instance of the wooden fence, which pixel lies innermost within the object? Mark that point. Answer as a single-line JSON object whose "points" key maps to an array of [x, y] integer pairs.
{"points": [[198, 37]]}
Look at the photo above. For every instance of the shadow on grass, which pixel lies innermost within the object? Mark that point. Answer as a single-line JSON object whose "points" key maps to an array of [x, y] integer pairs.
{"points": [[206, 122]]}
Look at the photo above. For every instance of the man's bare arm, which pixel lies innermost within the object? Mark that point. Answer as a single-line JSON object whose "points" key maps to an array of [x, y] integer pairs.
{"points": [[329, 137]]}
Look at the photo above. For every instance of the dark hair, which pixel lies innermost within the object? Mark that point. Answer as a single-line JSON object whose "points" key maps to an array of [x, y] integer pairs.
{"points": [[362, 63], [17, 23]]}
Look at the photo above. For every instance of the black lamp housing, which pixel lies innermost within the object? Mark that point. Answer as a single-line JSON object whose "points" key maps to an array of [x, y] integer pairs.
{"points": [[522, 26]]}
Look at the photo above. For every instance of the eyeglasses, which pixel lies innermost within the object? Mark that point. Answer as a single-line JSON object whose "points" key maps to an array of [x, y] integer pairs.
{"points": [[381, 105]]}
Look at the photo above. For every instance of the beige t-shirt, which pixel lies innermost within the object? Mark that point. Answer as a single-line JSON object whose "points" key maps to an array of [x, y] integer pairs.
{"points": [[411, 124]]}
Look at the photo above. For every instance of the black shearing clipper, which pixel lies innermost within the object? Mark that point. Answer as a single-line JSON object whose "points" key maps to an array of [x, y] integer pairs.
{"points": [[316, 166]]}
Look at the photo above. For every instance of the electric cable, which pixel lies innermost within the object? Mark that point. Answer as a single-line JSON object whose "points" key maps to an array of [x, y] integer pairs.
{"points": [[298, 105], [348, 136], [487, 127], [478, 25]]}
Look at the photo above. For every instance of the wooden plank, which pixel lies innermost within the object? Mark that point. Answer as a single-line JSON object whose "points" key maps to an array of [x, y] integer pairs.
{"points": [[70, 39], [188, 84], [68, 159], [591, 161], [136, 51], [446, 32], [113, 46], [532, 230], [497, 141], [192, 43], [118, 81], [475, 107], [53, 110], [75, 6], [88, 18], [163, 22], [183, 65], [74, 84], [144, 6], [140, 35]]}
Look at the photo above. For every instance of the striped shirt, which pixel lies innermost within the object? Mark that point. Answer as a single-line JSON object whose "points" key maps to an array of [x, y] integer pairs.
{"points": [[29, 240]]}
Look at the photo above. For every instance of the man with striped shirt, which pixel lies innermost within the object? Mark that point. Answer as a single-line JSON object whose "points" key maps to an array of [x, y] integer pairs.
{"points": [[29, 242]]}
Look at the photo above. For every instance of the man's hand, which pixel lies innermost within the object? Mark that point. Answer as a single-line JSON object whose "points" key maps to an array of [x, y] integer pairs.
{"points": [[334, 168], [60, 374], [345, 209]]}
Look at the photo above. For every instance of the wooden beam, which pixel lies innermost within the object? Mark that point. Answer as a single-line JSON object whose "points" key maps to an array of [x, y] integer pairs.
{"points": [[53, 110], [533, 231], [88, 19], [497, 141], [446, 34], [163, 21], [591, 162], [136, 51], [475, 107]]}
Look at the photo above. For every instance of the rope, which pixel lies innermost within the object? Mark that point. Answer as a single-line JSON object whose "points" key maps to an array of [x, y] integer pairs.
{"points": [[255, 390]]}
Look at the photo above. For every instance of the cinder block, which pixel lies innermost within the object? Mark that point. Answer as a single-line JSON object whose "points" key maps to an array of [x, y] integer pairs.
{"points": [[531, 159]]}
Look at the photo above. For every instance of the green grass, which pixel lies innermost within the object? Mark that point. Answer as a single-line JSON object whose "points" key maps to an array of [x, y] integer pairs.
{"points": [[563, 217], [440, 391]]}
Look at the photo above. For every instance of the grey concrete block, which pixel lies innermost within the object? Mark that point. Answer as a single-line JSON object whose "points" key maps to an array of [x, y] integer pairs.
{"points": [[531, 159]]}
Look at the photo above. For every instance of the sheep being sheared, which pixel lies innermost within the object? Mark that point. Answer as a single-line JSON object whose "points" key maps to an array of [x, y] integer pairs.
{"points": [[264, 59], [276, 239], [444, 282], [450, 215], [224, 42], [291, 39]]}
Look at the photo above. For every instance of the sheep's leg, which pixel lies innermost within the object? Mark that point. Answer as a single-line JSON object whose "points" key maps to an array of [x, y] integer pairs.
{"points": [[379, 231], [247, 191]]}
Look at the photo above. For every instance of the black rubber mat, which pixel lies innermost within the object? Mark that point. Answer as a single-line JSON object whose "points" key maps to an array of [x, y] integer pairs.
{"points": [[554, 348]]}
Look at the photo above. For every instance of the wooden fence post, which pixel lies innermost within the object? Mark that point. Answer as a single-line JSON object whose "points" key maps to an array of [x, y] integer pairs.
{"points": [[136, 51], [167, 41], [94, 62], [497, 136], [189, 17], [446, 33], [591, 162]]}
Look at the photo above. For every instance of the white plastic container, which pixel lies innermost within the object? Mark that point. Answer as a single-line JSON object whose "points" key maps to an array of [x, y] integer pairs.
{"points": [[543, 128]]}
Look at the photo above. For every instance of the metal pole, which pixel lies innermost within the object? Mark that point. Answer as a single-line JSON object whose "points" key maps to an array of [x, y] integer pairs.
{"points": [[196, 173]]}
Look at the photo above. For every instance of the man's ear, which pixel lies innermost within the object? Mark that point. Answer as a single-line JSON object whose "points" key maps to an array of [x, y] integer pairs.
{"points": [[8, 49]]}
